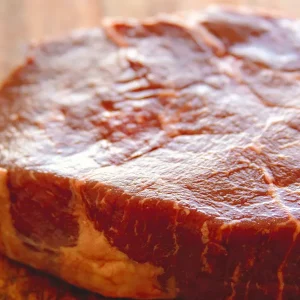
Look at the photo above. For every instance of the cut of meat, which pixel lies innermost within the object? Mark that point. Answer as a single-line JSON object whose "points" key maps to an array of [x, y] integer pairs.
{"points": [[158, 159], [18, 282]]}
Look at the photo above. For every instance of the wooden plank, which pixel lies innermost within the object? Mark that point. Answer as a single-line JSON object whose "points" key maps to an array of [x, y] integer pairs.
{"points": [[25, 20]]}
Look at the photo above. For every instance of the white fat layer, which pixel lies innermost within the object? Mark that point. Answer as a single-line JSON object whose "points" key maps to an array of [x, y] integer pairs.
{"points": [[92, 264]]}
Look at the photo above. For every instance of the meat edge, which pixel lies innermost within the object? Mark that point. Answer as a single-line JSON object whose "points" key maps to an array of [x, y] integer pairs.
{"points": [[93, 264]]}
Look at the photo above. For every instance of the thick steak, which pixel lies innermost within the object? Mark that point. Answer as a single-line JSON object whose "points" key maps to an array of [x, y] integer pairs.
{"points": [[158, 159]]}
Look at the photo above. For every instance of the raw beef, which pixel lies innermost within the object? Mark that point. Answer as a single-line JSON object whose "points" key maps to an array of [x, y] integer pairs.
{"points": [[18, 282], [158, 159]]}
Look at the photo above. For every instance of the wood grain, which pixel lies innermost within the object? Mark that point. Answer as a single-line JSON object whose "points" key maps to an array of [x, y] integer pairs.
{"points": [[24, 20]]}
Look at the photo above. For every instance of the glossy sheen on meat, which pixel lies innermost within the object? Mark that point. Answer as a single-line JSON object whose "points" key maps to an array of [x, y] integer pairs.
{"points": [[158, 159]]}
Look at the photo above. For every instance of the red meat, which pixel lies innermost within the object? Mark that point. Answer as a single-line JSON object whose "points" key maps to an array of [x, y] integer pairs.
{"points": [[158, 159]]}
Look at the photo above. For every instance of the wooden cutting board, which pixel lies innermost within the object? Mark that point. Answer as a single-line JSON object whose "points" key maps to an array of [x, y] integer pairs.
{"points": [[24, 20]]}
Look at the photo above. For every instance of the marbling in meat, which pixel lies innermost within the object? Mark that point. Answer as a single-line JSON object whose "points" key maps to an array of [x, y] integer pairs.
{"points": [[158, 159]]}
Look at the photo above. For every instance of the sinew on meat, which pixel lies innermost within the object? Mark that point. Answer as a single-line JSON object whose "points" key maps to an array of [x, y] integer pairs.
{"points": [[158, 159]]}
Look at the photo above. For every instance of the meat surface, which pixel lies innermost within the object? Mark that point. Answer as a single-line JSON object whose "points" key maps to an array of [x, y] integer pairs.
{"points": [[158, 159], [18, 282]]}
